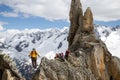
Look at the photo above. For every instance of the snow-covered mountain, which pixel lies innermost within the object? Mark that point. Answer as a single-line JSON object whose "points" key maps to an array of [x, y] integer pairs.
{"points": [[18, 44], [45, 41], [50, 41]]}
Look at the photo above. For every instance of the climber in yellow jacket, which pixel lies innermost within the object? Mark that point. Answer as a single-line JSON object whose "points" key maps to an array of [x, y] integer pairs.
{"points": [[33, 54]]}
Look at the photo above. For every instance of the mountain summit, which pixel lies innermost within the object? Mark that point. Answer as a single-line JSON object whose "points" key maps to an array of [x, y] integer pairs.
{"points": [[89, 58]]}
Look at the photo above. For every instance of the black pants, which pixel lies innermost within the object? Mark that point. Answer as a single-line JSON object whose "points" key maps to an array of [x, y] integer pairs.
{"points": [[34, 63], [66, 57]]}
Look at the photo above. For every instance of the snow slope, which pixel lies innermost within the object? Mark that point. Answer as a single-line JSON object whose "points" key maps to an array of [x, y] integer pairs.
{"points": [[50, 41], [46, 41], [113, 43]]}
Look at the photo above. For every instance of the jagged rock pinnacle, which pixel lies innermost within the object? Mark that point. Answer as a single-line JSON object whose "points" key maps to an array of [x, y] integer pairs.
{"points": [[88, 21], [76, 15], [80, 25]]}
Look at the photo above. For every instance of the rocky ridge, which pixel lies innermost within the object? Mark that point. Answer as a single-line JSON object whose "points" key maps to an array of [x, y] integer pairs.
{"points": [[89, 58], [8, 70]]}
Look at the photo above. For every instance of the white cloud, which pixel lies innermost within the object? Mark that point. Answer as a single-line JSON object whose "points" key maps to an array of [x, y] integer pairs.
{"points": [[1, 25], [106, 10], [48, 9], [9, 14]]}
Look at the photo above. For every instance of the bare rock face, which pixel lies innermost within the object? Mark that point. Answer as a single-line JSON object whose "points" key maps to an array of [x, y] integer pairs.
{"points": [[88, 21], [76, 16], [114, 67], [81, 26], [57, 70], [8, 70], [89, 58], [7, 75]]}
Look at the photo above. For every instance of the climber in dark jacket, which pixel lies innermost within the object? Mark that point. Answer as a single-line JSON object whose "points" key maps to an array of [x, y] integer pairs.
{"points": [[67, 54]]}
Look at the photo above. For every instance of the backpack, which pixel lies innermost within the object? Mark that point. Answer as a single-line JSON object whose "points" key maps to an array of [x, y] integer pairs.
{"points": [[34, 52], [67, 52]]}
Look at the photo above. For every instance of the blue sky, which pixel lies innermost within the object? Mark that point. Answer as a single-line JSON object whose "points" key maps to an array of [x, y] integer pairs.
{"points": [[32, 22], [17, 14]]}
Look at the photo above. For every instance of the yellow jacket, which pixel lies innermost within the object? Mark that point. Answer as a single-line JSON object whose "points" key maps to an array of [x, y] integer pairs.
{"points": [[34, 54]]}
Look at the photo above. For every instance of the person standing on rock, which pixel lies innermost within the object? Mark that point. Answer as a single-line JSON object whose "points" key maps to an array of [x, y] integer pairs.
{"points": [[67, 54], [33, 54], [61, 56]]}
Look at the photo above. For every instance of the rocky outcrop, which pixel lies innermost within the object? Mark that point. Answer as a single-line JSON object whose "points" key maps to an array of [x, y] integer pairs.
{"points": [[89, 58], [114, 68], [57, 70], [88, 21], [76, 17], [81, 27], [8, 70]]}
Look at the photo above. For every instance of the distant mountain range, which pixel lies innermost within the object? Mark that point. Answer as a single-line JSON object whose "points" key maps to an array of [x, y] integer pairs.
{"points": [[18, 44]]}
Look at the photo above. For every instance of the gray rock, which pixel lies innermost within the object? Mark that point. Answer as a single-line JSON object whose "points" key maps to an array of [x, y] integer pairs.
{"points": [[76, 15], [88, 21]]}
